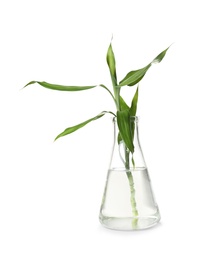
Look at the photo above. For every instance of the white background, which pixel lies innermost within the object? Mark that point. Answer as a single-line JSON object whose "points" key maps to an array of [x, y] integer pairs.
{"points": [[50, 192]]}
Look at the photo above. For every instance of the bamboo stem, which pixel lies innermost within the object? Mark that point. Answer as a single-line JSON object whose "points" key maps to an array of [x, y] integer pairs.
{"points": [[132, 189]]}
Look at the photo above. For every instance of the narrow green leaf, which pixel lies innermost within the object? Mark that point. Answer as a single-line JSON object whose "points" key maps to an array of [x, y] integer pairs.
{"points": [[123, 104], [119, 138], [133, 108], [123, 120], [132, 112], [125, 124], [160, 57], [111, 64], [72, 129], [133, 77], [68, 88], [60, 87], [133, 161]]}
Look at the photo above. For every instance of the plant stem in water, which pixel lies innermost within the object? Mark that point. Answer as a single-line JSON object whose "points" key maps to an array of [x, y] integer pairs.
{"points": [[132, 189]]}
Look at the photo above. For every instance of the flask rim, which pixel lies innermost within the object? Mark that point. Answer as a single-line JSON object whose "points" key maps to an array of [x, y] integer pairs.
{"points": [[132, 118]]}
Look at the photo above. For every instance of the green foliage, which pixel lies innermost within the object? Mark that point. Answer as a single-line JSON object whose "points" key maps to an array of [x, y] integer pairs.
{"points": [[126, 124], [123, 104], [72, 129], [133, 77], [133, 108], [123, 120], [60, 87], [112, 65], [124, 112]]}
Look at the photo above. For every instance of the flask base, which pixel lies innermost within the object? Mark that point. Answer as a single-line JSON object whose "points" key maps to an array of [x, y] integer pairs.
{"points": [[129, 224]]}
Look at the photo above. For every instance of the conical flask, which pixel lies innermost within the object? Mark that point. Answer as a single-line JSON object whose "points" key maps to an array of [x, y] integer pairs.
{"points": [[128, 202]]}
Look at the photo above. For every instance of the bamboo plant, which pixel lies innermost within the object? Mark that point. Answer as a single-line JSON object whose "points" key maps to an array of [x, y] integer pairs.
{"points": [[122, 112]]}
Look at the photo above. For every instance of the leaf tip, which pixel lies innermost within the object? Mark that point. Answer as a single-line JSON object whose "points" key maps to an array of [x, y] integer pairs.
{"points": [[160, 57], [112, 38], [57, 137], [31, 82]]}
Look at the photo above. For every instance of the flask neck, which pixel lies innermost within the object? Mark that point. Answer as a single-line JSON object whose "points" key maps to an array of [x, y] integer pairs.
{"points": [[122, 157]]}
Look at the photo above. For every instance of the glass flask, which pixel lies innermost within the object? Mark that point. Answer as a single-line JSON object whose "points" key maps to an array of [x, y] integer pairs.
{"points": [[128, 202]]}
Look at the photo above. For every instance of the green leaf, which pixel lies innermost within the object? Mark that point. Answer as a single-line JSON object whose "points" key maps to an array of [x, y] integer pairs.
{"points": [[68, 88], [123, 104], [60, 87], [132, 112], [125, 124], [72, 129], [111, 64], [160, 57], [133, 108], [123, 120], [133, 77], [119, 138]]}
